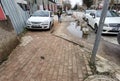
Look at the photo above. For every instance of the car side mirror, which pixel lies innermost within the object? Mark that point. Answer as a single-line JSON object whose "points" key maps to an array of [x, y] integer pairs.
{"points": [[92, 14]]}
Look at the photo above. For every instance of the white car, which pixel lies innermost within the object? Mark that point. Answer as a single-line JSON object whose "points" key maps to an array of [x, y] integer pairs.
{"points": [[87, 14], [111, 24], [40, 20]]}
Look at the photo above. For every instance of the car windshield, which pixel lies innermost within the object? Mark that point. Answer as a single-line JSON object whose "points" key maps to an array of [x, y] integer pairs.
{"points": [[109, 14], [41, 13]]}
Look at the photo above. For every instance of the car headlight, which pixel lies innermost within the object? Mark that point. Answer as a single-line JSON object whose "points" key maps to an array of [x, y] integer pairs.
{"points": [[106, 25], [28, 22]]}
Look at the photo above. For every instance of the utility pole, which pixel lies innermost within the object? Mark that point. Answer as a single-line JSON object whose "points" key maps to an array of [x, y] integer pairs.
{"points": [[100, 28]]}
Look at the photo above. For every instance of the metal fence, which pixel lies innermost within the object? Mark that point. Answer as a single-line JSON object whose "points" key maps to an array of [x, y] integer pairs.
{"points": [[16, 14]]}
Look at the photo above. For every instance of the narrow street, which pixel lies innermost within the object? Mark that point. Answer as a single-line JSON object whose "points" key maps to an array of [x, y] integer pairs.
{"points": [[42, 56]]}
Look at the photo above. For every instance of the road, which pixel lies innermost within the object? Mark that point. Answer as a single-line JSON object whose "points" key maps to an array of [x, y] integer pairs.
{"points": [[109, 47]]}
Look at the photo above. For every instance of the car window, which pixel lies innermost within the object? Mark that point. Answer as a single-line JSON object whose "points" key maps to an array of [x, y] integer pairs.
{"points": [[41, 13], [114, 14]]}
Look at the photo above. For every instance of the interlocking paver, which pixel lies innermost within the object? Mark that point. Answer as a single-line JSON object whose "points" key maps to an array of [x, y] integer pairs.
{"points": [[45, 58]]}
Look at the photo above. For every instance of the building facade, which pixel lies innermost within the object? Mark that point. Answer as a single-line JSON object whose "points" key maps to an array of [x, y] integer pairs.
{"points": [[42, 5]]}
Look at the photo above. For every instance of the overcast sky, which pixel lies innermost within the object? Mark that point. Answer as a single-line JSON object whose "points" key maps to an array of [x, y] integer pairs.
{"points": [[73, 2]]}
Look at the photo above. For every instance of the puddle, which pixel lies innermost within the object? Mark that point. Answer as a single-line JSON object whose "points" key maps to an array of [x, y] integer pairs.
{"points": [[75, 30]]}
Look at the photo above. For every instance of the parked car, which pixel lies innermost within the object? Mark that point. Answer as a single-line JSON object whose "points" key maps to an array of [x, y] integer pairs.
{"points": [[111, 24], [40, 19], [87, 14], [118, 37]]}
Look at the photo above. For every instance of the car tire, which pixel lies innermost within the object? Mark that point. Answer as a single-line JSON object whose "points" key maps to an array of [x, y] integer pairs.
{"points": [[118, 37], [96, 28], [85, 19]]}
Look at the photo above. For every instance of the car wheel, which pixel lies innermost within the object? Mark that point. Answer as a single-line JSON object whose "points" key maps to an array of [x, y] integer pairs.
{"points": [[118, 37], [96, 28], [85, 19]]}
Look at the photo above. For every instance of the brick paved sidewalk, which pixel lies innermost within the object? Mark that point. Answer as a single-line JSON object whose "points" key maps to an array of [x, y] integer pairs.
{"points": [[45, 58]]}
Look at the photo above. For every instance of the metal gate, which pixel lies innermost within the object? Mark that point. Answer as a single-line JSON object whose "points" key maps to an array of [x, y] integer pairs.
{"points": [[16, 14]]}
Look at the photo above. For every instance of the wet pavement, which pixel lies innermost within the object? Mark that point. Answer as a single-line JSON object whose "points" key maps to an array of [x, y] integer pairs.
{"points": [[110, 51], [108, 48], [75, 30]]}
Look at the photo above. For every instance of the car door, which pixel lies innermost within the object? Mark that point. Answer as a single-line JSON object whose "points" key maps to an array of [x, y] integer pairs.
{"points": [[92, 20]]}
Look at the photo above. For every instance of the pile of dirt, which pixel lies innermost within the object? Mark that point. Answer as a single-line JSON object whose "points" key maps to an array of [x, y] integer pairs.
{"points": [[8, 41]]}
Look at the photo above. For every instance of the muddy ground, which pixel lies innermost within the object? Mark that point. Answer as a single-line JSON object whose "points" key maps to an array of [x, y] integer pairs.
{"points": [[8, 39]]}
